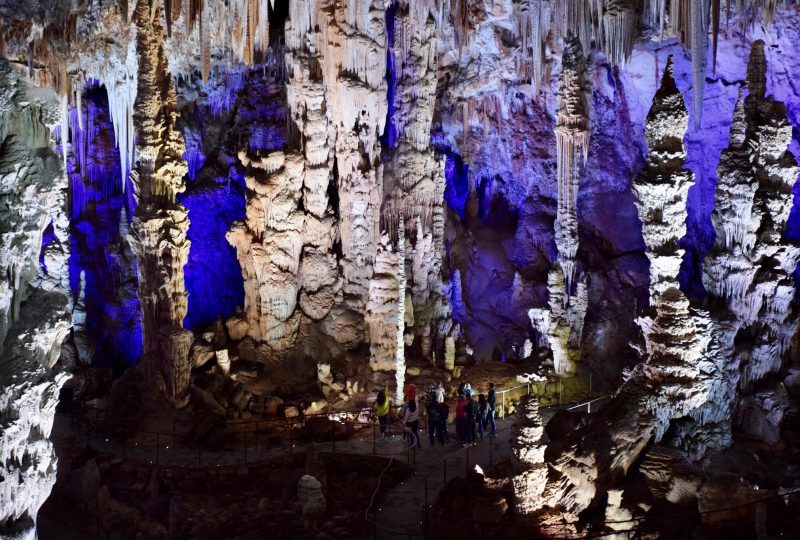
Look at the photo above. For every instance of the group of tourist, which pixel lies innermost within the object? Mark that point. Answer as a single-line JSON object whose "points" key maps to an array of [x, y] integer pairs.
{"points": [[472, 416]]}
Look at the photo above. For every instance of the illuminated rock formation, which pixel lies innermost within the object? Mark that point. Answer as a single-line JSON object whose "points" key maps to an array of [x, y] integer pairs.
{"points": [[34, 309], [662, 186], [750, 268], [529, 476], [671, 384], [561, 326], [572, 141], [383, 307], [158, 235], [269, 246], [414, 176]]}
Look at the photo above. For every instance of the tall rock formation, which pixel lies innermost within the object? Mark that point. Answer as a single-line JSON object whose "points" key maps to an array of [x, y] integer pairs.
{"points": [[662, 186], [672, 383], [749, 272], [414, 176], [572, 142], [34, 309], [158, 236]]}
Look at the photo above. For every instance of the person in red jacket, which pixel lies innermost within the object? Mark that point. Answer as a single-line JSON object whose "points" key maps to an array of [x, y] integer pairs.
{"points": [[461, 417]]}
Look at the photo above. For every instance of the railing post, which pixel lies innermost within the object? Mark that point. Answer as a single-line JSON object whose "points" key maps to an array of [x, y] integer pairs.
{"points": [[504, 404]]}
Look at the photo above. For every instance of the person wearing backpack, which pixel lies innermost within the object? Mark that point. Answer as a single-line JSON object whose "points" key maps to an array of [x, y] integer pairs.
{"points": [[382, 407]]}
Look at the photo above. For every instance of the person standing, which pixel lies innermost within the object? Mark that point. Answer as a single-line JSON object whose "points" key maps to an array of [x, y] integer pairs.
{"points": [[412, 422], [441, 428], [382, 407], [439, 391], [491, 401], [472, 417], [433, 410], [483, 411], [461, 417]]}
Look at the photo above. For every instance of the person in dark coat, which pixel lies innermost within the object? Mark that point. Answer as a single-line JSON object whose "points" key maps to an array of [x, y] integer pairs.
{"points": [[483, 411], [433, 409], [472, 417], [491, 401], [461, 418], [441, 429]]}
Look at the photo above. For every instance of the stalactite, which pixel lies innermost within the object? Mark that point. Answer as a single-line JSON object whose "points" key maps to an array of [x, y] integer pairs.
{"points": [[205, 44], [534, 19], [168, 16], [699, 28], [715, 13], [619, 29], [572, 140], [262, 30]]}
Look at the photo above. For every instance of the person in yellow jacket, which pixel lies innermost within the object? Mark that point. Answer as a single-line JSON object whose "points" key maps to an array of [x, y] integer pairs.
{"points": [[382, 407]]}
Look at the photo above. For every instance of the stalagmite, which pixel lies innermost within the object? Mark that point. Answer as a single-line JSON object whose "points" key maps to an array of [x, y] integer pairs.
{"points": [[383, 312], [673, 383], [400, 359], [529, 476], [751, 265], [661, 187], [158, 237]]}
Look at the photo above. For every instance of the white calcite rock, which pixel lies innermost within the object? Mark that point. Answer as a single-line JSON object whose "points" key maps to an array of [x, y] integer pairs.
{"points": [[529, 471], [662, 186], [34, 309]]}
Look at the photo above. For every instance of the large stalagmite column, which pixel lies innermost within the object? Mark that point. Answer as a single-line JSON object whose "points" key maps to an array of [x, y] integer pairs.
{"points": [[158, 236], [662, 186], [751, 265]]}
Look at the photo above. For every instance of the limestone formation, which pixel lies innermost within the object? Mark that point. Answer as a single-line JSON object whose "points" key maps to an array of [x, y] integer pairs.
{"points": [[750, 268], [34, 309], [673, 383], [572, 141], [560, 327], [160, 224], [662, 186], [529, 472], [383, 307]]}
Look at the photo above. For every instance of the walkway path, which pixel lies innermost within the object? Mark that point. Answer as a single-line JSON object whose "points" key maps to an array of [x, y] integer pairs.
{"points": [[399, 511]]}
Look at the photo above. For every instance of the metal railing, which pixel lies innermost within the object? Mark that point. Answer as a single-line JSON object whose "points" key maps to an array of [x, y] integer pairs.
{"points": [[217, 441]]}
